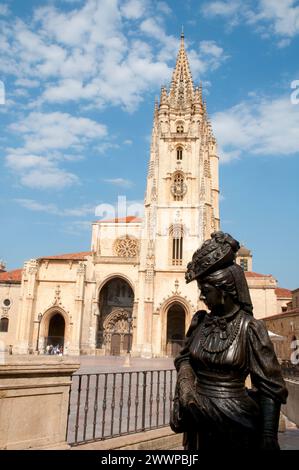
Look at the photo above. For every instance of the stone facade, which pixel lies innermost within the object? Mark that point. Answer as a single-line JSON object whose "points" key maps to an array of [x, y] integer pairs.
{"points": [[129, 293], [286, 326], [10, 286], [284, 298]]}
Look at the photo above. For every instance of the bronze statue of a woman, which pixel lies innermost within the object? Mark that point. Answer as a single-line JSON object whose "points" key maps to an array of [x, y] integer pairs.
{"points": [[212, 406]]}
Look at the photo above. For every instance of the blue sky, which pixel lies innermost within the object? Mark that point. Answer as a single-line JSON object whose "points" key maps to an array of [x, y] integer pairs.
{"points": [[80, 80]]}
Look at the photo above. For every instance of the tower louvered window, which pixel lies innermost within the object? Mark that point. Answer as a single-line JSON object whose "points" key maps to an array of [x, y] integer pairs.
{"points": [[177, 245]]}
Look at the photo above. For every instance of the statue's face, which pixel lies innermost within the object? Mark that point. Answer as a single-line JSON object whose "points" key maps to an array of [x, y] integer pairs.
{"points": [[210, 295]]}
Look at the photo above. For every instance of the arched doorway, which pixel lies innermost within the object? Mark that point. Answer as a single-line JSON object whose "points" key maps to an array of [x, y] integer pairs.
{"points": [[114, 331], [56, 331], [175, 332]]}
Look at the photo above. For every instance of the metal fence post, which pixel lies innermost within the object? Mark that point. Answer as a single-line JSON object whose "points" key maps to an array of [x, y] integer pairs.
{"points": [[143, 401]]}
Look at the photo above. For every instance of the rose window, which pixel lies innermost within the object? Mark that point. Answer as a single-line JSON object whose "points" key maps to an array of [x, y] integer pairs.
{"points": [[126, 247]]}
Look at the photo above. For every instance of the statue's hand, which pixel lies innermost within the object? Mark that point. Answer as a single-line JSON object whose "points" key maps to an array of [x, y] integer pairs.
{"points": [[269, 443], [187, 394], [187, 386], [270, 410]]}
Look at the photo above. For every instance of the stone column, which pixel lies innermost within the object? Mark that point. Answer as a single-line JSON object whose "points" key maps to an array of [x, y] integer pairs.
{"points": [[34, 398], [25, 313], [75, 345], [134, 329]]}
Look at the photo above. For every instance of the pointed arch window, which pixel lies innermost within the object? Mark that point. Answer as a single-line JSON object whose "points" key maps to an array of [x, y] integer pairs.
{"points": [[179, 153], [4, 325], [177, 235]]}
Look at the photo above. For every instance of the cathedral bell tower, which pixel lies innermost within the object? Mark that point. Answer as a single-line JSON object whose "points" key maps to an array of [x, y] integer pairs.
{"points": [[181, 199]]}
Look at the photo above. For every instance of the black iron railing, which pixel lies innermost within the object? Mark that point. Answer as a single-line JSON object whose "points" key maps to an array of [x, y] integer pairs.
{"points": [[107, 405]]}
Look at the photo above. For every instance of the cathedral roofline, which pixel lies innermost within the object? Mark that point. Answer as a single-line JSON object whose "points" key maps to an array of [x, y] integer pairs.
{"points": [[121, 220], [13, 277], [253, 274], [80, 256], [282, 292]]}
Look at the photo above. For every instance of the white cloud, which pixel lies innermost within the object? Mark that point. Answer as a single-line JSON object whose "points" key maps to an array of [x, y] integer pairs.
{"points": [[46, 131], [39, 172], [4, 10], [76, 227], [79, 211], [133, 9], [279, 17], [27, 83], [207, 56], [84, 54], [122, 182], [36, 206], [234, 11], [20, 162], [283, 15], [163, 7], [54, 178], [221, 8], [258, 127], [211, 48], [128, 142], [21, 92], [106, 146], [46, 135], [69, 1]]}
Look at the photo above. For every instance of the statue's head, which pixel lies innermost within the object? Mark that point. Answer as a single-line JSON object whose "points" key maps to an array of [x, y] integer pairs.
{"points": [[214, 264]]}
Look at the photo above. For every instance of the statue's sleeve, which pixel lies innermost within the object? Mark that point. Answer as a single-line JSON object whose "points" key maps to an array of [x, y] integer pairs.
{"points": [[264, 367]]}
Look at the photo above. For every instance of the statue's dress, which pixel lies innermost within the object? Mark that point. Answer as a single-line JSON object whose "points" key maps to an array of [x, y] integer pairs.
{"points": [[222, 352]]}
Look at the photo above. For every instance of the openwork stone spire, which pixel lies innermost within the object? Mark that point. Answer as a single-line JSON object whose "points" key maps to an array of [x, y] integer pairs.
{"points": [[181, 89]]}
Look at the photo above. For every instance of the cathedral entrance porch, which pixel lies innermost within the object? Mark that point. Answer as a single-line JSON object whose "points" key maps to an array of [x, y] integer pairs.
{"points": [[176, 319], [114, 321], [56, 330]]}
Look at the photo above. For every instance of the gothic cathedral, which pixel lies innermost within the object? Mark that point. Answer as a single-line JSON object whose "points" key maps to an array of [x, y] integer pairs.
{"points": [[128, 294]]}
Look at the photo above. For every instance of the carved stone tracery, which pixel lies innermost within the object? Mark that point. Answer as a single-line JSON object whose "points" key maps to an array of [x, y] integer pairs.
{"points": [[126, 247]]}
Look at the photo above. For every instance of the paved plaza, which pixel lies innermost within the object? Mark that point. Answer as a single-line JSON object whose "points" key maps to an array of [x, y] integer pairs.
{"points": [[96, 364], [118, 395], [289, 440]]}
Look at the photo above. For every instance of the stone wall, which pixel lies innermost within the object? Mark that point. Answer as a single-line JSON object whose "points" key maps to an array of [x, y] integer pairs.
{"points": [[34, 397], [291, 409]]}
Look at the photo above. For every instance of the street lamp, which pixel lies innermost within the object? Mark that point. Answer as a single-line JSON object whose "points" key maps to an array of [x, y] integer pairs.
{"points": [[127, 362], [38, 321]]}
